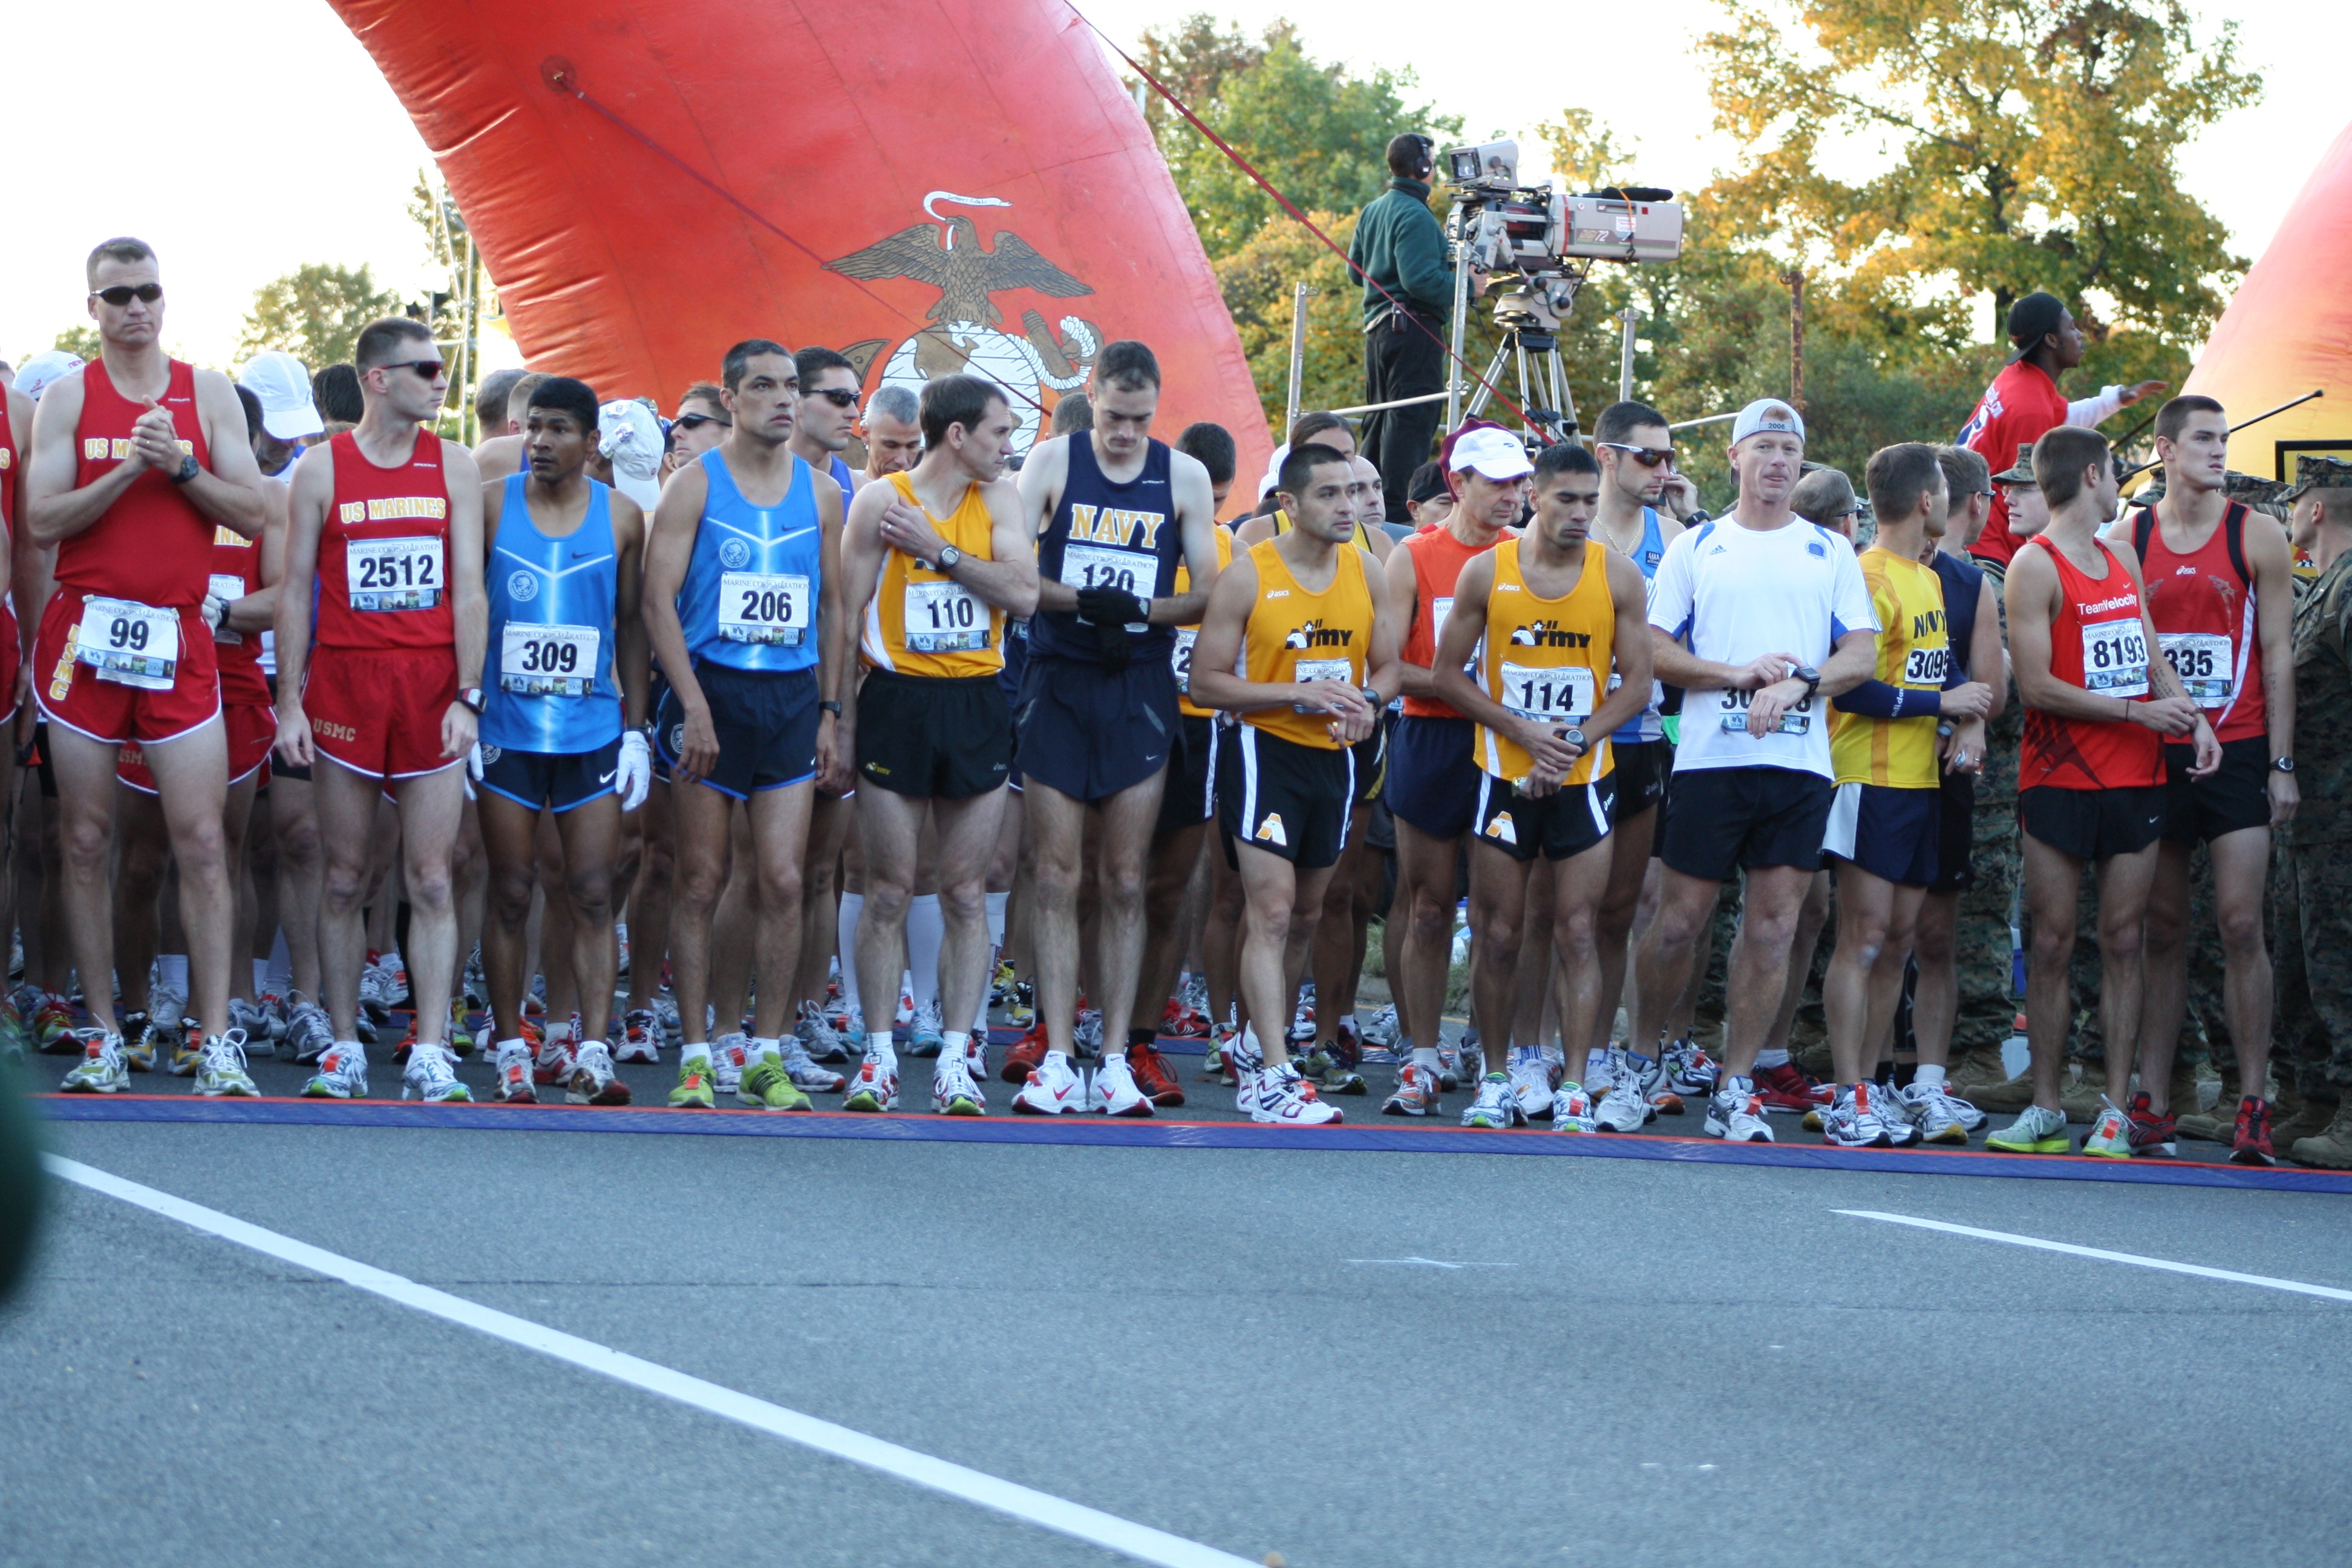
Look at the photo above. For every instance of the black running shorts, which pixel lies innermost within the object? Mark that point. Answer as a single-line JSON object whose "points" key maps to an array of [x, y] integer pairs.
{"points": [[933, 737]]}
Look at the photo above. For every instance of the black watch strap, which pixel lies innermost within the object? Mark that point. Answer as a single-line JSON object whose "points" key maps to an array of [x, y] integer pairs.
{"points": [[830, 706]]}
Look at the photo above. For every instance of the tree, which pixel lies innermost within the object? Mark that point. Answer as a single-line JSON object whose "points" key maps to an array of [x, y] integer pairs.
{"points": [[81, 339], [2030, 144], [314, 313]]}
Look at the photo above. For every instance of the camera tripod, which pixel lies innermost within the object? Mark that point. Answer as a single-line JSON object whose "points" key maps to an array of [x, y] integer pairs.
{"points": [[1529, 319]]}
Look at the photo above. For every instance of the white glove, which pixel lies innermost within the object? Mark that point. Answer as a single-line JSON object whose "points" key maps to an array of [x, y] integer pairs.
{"points": [[474, 761], [635, 775]]}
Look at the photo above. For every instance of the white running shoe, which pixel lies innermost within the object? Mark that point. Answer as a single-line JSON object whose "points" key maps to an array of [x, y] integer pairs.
{"points": [[876, 1087], [308, 1034], [1113, 1092], [1245, 1059], [1380, 1034], [1572, 1110], [1690, 1070], [1087, 1037], [593, 1080], [259, 1027], [167, 1008], [220, 1069], [1623, 1109], [341, 1075], [1941, 1116], [1473, 1056], [1053, 1086], [551, 1063], [1449, 1064], [1851, 1122], [432, 1077], [1894, 1113], [954, 1091], [803, 1071], [1496, 1107], [375, 993], [923, 1033], [515, 1085], [1736, 1114], [1286, 1100], [640, 1038], [815, 1032], [1416, 1092], [729, 1055], [1530, 1081]]}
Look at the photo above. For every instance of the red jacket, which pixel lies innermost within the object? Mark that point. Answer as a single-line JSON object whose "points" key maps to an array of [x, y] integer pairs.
{"points": [[2022, 403]]}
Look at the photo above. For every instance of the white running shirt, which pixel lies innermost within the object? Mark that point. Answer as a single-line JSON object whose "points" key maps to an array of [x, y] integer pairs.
{"points": [[1732, 595]]}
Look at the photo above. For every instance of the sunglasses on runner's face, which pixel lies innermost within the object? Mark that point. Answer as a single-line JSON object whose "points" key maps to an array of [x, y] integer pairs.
{"points": [[1648, 457], [121, 294], [426, 369], [839, 397], [697, 421]]}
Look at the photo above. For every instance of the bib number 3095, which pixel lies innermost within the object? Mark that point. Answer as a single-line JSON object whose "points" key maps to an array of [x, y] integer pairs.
{"points": [[128, 642]]}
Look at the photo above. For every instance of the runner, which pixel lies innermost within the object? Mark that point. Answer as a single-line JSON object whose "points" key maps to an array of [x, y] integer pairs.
{"points": [[894, 432], [137, 462], [1114, 512], [1302, 616], [2221, 597], [499, 453], [1758, 615], [1556, 623], [385, 537], [935, 557], [739, 605], [1432, 782], [563, 730], [2091, 774], [27, 571], [1886, 824]]}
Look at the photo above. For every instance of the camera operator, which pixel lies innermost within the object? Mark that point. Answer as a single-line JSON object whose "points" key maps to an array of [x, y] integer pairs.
{"points": [[1401, 248]]}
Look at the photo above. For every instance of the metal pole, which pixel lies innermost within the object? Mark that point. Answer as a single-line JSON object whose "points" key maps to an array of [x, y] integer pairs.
{"points": [[468, 351], [1297, 351], [1795, 280], [1625, 355], [1467, 222]]}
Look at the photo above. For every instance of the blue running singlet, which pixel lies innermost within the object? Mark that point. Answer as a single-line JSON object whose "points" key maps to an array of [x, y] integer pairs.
{"points": [[749, 597], [552, 604], [1646, 725]]}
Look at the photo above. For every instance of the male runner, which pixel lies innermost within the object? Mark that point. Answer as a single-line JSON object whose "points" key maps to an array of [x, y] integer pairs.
{"points": [[1432, 782], [894, 433], [1303, 619], [1113, 512], [137, 461], [562, 732], [2091, 776], [1887, 822], [1556, 623], [499, 452], [384, 536], [1758, 615], [933, 560], [737, 599], [2221, 599]]}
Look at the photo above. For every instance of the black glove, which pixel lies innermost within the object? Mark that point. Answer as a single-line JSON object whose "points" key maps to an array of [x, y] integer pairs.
{"points": [[1111, 606], [1112, 644]]}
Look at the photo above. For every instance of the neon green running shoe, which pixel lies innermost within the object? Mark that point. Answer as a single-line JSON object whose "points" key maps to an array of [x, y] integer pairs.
{"points": [[221, 1068], [2110, 1136], [2036, 1130], [101, 1069], [694, 1090], [766, 1086]]}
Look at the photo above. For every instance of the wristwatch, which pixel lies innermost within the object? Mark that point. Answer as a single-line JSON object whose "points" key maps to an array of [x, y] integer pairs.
{"points": [[2282, 764], [1371, 694], [948, 559], [1810, 677], [829, 706], [471, 697], [1574, 737], [188, 470]]}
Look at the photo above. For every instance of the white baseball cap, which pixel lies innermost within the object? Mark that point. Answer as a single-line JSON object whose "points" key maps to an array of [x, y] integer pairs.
{"points": [[281, 383], [1766, 413], [43, 369], [1496, 454], [627, 432]]}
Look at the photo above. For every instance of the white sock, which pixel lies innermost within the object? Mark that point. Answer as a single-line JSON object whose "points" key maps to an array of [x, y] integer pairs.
{"points": [[504, 1046], [1927, 1077], [173, 971], [1596, 1064], [878, 1045], [1773, 1059], [926, 932], [279, 976], [953, 1044], [845, 934], [996, 902], [694, 1051], [1426, 1057], [763, 1047]]}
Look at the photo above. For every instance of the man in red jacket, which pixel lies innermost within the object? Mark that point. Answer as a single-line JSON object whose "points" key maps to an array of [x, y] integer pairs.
{"points": [[2023, 400]]}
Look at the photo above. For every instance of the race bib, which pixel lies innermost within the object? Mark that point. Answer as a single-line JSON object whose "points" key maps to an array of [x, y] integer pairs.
{"points": [[228, 590], [394, 573], [1547, 695], [1308, 669], [770, 608], [548, 661], [2205, 664], [1440, 612], [129, 642], [1926, 667], [1795, 721], [1181, 659], [943, 617], [2114, 659], [1093, 567]]}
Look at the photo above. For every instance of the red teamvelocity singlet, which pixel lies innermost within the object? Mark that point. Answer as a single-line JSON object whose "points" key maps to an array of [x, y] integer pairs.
{"points": [[1437, 561], [2203, 607], [2099, 643], [152, 545], [384, 555]]}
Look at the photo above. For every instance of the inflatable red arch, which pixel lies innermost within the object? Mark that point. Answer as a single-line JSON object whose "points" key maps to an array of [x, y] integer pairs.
{"points": [[930, 187]]}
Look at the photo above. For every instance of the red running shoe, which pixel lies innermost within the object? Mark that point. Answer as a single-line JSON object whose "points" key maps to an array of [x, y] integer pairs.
{"points": [[2252, 1145], [1152, 1076], [1785, 1088], [2152, 1134], [1181, 1020], [1027, 1055]]}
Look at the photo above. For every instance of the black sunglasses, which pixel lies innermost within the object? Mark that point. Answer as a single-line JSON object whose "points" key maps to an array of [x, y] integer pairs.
{"points": [[839, 397], [426, 369], [697, 421], [1648, 457], [121, 294]]}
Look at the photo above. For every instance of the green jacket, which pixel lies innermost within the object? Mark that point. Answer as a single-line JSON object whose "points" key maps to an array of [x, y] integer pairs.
{"points": [[1401, 246]]}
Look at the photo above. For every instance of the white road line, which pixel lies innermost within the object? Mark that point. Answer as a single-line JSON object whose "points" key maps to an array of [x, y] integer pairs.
{"points": [[2326, 1292], [1048, 1513]]}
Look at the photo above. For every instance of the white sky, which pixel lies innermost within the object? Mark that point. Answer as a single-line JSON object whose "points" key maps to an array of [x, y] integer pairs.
{"points": [[285, 74]]}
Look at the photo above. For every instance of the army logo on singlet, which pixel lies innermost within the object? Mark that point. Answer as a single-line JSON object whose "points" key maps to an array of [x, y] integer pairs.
{"points": [[523, 587], [734, 554], [966, 332]]}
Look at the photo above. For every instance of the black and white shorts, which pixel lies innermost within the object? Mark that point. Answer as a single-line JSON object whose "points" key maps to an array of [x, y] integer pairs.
{"points": [[1284, 798]]}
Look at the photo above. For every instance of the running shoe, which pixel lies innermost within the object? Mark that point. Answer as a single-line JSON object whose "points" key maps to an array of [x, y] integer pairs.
{"points": [[694, 1091], [923, 1033], [1735, 1113], [729, 1055], [1194, 992], [1181, 1020], [1572, 1110], [1786, 1089], [1496, 1106], [221, 1068], [395, 978], [101, 1069], [1087, 1037], [806, 1076], [672, 1026], [187, 1047], [550, 1062], [53, 1026], [308, 1034], [1022, 1011], [1245, 1059], [1214, 1066], [1473, 1056], [1416, 1092], [1027, 1055], [473, 985], [1623, 1108], [1004, 984], [341, 1075], [2250, 1144], [1380, 1034], [375, 994], [244, 1015], [1286, 1098], [1894, 1113], [767, 1086], [168, 1004], [1115, 1092], [139, 1039], [954, 1091], [1054, 1087], [1302, 1020], [432, 1077], [515, 1086], [593, 1080], [1530, 1081], [1689, 1070], [640, 1038], [1449, 1064], [455, 1037], [1154, 1076], [2036, 1130], [876, 1087], [2110, 1136], [1934, 1110], [818, 1037], [1658, 1092], [2152, 1134], [1852, 1122], [621, 942]]}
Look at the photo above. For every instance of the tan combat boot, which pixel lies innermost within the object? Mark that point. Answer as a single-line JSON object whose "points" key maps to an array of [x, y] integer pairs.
{"points": [[2329, 1149]]}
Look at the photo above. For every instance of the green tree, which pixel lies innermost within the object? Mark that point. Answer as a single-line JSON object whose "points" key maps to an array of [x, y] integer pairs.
{"points": [[314, 313], [79, 338]]}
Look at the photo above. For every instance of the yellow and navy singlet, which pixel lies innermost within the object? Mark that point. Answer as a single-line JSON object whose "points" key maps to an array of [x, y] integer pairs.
{"points": [[1547, 660], [1293, 634], [1914, 654], [921, 622], [1187, 636]]}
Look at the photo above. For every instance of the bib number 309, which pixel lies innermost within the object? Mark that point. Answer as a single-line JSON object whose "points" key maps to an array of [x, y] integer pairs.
{"points": [[548, 661]]}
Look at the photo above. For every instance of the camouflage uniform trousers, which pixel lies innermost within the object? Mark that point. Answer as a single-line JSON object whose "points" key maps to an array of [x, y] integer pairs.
{"points": [[2311, 908]]}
